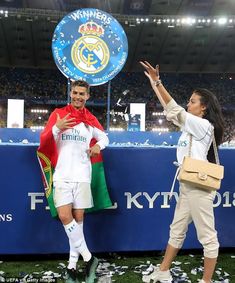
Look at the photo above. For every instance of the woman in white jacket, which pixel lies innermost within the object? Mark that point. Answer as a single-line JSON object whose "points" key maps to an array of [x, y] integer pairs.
{"points": [[202, 118]]}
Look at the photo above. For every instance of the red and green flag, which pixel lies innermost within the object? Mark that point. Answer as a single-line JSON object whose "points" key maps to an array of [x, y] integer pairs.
{"points": [[47, 155]]}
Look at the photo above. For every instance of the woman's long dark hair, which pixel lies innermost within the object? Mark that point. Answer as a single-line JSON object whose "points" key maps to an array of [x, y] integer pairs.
{"points": [[213, 114]]}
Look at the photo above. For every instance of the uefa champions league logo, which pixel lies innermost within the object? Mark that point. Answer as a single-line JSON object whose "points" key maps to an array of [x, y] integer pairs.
{"points": [[91, 45], [90, 53]]}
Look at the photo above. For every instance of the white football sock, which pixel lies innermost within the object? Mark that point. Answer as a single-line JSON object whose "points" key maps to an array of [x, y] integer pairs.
{"points": [[73, 256], [75, 234]]}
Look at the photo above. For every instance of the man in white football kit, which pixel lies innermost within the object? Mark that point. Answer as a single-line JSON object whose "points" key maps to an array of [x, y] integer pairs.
{"points": [[73, 130]]}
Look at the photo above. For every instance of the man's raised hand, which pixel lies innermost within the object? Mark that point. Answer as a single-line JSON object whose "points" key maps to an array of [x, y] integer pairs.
{"points": [[64, 123]]}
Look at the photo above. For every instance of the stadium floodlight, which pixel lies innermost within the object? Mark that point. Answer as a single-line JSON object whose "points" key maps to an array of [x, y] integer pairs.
{"points": [[37, 127], [222, 21], [159, 129], [158, 113], [116, 129], [193, 21], [38, 110], [190, 21]]}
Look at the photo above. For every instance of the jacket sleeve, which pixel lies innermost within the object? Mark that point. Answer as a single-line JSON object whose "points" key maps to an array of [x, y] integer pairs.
{"points": [[175, 113], [196, 126]]}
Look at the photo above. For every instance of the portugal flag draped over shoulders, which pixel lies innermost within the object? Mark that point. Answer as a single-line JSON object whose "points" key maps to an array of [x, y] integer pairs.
{"points": [[47, 155]]}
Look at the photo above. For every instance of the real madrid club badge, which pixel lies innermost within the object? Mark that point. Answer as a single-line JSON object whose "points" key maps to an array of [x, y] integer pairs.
{"points": [[89, 44]]}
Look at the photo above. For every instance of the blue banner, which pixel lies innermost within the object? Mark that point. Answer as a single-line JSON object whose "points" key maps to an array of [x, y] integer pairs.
{"points": [[134, 123], [128, 138], [139, 180]]}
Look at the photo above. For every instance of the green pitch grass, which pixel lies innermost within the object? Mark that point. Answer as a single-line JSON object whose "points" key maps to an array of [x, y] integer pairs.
{"points": [[123, 269]]}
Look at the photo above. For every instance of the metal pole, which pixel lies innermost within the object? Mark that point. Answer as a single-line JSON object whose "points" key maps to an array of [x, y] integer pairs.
{"points": [[68, 91], [108, 105]]}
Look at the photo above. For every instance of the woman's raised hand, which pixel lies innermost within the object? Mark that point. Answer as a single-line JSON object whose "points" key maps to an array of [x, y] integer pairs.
{"points": [[151, 72]]}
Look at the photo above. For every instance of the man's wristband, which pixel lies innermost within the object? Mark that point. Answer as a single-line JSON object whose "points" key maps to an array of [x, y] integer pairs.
{"points": [[157, 83]]}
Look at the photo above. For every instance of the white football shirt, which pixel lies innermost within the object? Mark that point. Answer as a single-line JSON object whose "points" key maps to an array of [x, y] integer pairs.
{"points": [[74, 163]]}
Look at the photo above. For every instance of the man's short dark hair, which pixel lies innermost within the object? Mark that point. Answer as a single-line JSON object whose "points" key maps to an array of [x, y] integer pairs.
{"points": [[80, 83]]}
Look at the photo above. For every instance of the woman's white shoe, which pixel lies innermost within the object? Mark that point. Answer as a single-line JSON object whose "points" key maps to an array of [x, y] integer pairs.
{"points": [[158, 276]]}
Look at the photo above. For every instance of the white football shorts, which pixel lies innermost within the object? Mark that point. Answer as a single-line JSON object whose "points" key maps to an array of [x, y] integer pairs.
{"points": [[75, 193]]}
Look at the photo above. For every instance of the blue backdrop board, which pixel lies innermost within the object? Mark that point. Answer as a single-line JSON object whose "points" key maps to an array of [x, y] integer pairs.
{"points": [[120, 138], [139, 180]]}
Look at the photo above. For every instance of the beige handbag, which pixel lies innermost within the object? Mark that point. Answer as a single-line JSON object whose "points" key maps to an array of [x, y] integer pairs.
{"points": [[200, 173]]}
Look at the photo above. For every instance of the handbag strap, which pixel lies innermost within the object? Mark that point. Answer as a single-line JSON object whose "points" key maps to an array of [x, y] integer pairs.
{"points": [[214, 147], [173, 183], [215, 150], [190, 145]]}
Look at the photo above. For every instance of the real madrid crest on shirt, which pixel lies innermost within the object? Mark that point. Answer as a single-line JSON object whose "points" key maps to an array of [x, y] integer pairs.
{"points": [[89, 44]]}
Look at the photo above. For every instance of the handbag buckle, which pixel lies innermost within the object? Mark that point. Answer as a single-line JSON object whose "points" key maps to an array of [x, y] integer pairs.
{"points": [[202, 176]]}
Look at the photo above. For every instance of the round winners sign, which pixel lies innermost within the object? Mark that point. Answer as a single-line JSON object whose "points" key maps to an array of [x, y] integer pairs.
{"points": [[91, 45]]}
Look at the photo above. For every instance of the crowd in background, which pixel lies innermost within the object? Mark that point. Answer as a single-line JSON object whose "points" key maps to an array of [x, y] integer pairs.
{"points": [[47, 89]]}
